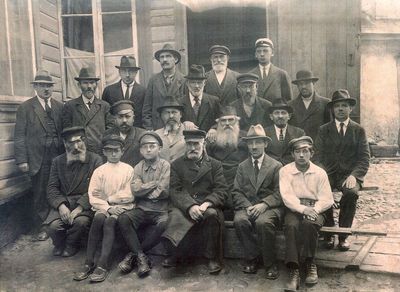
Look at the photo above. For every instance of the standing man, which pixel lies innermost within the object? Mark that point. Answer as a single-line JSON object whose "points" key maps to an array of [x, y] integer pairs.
{"points": [[221, 81], [37, 142], [273, 82], [258, 204], [307, 195], [127, 88], [197, 191], [310, 108], [342, 150], [88, 111], [169, 82]]}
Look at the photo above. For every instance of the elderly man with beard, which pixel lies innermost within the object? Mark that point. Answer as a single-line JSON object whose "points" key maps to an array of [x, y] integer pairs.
{"points": [[67, 193], [124, 115], [221, 81]]}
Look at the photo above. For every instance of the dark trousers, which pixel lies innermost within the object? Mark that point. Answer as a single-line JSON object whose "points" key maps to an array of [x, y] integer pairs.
{"points": [[258, 236], [129, 223], [301, 232], [64, 234]]}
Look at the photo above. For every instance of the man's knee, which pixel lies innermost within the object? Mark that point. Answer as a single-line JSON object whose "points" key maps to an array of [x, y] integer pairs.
{"points": [[241, 222], [82, 222], [350, 195], [210, 213], [123, 220], [265, 225], [56, 225]]}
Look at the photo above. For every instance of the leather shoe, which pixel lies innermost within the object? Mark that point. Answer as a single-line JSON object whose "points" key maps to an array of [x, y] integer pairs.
{"points": [[330, 242], [169, 262], [250, 267], [214, 267], [344, 244], [126, 265], [294, 281], [40, 236], [312, 274], [272, 272], [143, 265], [83, 273], [58, 250], [99, 275], [69, 251]]}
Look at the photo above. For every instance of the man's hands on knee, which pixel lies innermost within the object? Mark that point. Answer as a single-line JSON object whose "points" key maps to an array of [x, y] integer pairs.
{"points": [[350, 182], [65, 213], [254, 211], [195, 212], [75, 213], [116, 211], [310, 213]]}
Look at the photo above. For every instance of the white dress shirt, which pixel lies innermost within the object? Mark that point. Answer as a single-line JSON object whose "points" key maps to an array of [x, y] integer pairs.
{"points": [[220, 76], [86, 100], [307, 101], [278, 131], [43, 103], [346, 123], [266, 69], [124, 86], [259, 160], [192, 101]]}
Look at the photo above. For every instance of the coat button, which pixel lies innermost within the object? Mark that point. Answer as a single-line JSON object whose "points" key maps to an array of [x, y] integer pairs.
{"points": [[195, 196]]}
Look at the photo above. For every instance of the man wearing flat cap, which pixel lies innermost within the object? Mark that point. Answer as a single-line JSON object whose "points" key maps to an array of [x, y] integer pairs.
{"points": [[310, 109], [200, 108], [197, 192], [127, 88], [221, 81], [258, 204], [307, 195], [67, 192], [124, 117], [169, 82], [342, 150], [88, 111], [273, 82], [37, 141]]}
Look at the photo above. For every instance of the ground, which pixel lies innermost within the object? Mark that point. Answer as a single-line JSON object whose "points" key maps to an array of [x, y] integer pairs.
{"points": [[28, 266]]}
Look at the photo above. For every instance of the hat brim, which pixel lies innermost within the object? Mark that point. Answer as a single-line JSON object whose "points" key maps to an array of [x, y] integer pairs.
{"points": [[247, 138], [87, 78], [313, 79], [287, 108], [173, 52], [43, 81], [350, 100], [194, 78], [179, 107], [128, 67]]}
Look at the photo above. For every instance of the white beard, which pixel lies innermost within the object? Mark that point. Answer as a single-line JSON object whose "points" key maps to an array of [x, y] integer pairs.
{"points": [[228, 137], [75, 157]]}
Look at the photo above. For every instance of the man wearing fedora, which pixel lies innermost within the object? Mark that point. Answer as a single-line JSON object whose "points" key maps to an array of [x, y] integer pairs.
{"points": [[88, 111], [281, 132], [37, 141], [258, 204], [221, 81], [200, 108], [273, 81], [168, 82], [127, 88], [343, 151], [310, 109]]}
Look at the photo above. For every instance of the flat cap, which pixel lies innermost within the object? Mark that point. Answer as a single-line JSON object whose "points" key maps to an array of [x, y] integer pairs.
{"points": [[112, 141], [73, 131], [218, 49], [144, 138], [301, 142], [121, 105], [264, 42], [194, 134], [247, 77]]}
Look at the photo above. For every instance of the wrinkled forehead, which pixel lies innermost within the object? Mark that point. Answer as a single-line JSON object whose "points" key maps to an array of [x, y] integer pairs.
{"points": [[74, 138]]}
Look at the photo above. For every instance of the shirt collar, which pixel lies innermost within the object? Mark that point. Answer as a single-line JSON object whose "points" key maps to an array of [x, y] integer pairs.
{"points": [[266, 67], [311, 169], [278, 130], [124, 86], [42, 102], [86, 100], [260, 159], [192, 98], [153, 165], [346, 123]]}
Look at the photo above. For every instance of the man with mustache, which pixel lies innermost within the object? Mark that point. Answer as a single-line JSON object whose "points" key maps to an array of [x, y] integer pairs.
{"points": [[221, 81], [88, 111], [124, 118], [67, 192], [169, 82], [310, 109]]}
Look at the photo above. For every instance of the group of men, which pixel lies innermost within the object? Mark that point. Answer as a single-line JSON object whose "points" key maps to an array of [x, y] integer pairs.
{"points": [[238, 144]]}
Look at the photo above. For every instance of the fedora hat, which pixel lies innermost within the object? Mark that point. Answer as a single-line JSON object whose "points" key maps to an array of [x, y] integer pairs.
{"points": [[279, 103], [170, 102], [87, 73], [128, 62], [196, 72], [305, 75], [256, 132], [43, 76], [167, 48], [342, 95]]}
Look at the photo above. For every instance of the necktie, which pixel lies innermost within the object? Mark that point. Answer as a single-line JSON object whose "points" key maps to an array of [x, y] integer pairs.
{"points": [[89, 104], [341, 129], [281, 138], [196, 105], [264, 73], [127, 92], [47, 108], [256, 169]]}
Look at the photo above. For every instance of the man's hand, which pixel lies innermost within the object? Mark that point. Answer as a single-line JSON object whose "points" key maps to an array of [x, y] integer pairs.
{"points": [[115, 211], [150, 185], [65, 213], [350, 182], [310, 213], [188, 125], [195, 213], [24, 167], [211, 135], [75, 213], [254, 211], [204, 206]]}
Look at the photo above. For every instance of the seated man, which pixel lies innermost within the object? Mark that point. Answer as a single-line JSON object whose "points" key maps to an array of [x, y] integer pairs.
{"points": [[67, 192], [197, 191], [307, 195], [258, 204]]}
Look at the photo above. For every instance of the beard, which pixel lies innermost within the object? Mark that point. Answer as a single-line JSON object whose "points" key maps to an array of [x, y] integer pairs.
{"points": [[228, 136], [172, 126], [74, 155], [219, 67]]}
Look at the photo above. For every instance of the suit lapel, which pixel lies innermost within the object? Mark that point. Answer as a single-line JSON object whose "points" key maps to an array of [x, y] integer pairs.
{"points": [[176, 85], [263, 172], [81, 108], [94, 109], [57, 111], [39, 111], [250, 172], [62, 171], [159, 83], [78, 176], [189, 112], [204, 108], [271, 76], [203, 170]]}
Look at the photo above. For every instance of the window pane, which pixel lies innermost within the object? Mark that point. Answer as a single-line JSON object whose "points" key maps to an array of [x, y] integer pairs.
{"points": [[72, 68], [112, 5], [117, 32], [5, 84], [112, 74], [78, 33], [76, 6]]}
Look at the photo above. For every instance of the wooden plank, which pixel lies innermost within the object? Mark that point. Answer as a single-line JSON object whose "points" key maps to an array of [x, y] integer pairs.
{"points": [[48, 23], [145, 50], [48, 8], [349, 231], [7, 131], [14, 192], [381, 263], [8, 168], [7, 117], [284, 42], [181, 37], [49, 37], [15, 180], [161, 17], [50, 52], [361, 255], [53, 68], [162, 4], [7, 150], [163, 33], [390, 248]]}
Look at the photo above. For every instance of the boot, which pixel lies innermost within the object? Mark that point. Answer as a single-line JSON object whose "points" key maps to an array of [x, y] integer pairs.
{"points": [[126, 265], [312, 274], [143, 265], [294, 281]]}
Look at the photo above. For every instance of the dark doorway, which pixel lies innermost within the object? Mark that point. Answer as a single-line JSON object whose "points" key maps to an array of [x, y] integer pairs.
{"points": [[235, 27]]}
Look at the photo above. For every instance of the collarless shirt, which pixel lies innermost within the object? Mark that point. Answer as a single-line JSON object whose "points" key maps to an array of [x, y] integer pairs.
{"points": [[278, 131], [259, 160], [346, 123], [307, 101], [220, 76], [43, 103], [192, 101], [86, 100], [267, 67], [124, 86]]}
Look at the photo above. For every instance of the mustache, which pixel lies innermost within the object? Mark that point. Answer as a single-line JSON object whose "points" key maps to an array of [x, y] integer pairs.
{"points": [[228, 127]]}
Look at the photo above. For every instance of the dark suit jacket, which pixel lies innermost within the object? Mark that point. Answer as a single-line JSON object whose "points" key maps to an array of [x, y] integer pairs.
{"points": [[248, 192], [31, 130], [209, 111], [280, 150], [95, 121], [113, 93], [226, 92], [155, 94], [277, 84], [260, 114], [343, 156], [312, 118], [69, 184]]}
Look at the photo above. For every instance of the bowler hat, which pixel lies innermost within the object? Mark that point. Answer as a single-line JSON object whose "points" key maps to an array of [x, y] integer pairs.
{"points": [[170, 102], [247, 77], [152, 134], [128, 62], [167, 48], [194, 134], [196, 72], [43, 76], [218, 49], [279, 103], [87, 73], [122, 105], [342, 95], [305, 75], [112, 141], [264, 42], [73, 131], [256, 132], [300, 142]]}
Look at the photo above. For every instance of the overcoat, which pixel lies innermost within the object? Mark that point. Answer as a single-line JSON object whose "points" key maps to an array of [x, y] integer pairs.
{"points": [[171, 150], [226, 91], [260, 114]]}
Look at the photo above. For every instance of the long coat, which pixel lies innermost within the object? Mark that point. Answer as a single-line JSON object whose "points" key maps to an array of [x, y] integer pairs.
{"points": [[276, 85], [209, 111], [155, 95], [171, 150], [343, 156], [68, 184], [95, 121], [226, 92], [312, 118], [280, 150], [113, 93], [193, 185], [31, 130]]}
